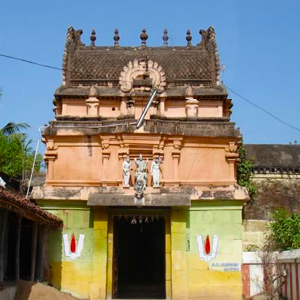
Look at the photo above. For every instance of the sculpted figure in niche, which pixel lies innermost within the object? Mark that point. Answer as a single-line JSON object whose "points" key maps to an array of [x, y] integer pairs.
{"points": [[139, 188], [141, 170], [126, 171], [155, 171]]}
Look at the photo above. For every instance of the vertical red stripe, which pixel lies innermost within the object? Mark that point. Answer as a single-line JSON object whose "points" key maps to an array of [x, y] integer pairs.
{"points": [[246, 280], [207, 245], [297, 281], [291, 280], [73, 244], [286, 282]]}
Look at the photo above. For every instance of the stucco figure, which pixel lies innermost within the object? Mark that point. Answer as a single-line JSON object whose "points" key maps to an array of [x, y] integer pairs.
{"points": [[155, 171], [126, 171], [139, 188], [141, 170]]}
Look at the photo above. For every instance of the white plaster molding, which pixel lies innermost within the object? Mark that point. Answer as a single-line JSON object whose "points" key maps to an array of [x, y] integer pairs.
{"points": [[139, 68]]}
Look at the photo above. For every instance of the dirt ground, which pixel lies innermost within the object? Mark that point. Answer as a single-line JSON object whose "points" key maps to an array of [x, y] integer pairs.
{"points": [[27, 290]]}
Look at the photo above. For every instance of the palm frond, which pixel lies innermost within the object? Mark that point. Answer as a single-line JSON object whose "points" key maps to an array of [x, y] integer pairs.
{"points": [[12, 128]]}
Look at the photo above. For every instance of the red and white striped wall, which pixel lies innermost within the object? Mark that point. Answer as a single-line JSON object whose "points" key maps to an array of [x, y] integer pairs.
{"points": [[253, 274], [290, 262]]}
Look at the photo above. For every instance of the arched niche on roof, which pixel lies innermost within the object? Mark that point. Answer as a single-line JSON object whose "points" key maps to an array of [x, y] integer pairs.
{"points": [[142, 74]]}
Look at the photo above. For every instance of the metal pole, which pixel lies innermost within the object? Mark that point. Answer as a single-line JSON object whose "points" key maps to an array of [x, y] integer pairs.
{"points": [[32, 169], [141, 119]]}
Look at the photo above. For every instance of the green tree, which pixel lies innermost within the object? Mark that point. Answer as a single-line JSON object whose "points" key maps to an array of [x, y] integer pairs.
{"points": [[244, 171], [284, 230], [16, 155]]}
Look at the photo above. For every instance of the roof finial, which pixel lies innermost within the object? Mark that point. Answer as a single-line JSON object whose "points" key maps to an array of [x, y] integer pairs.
{"points": [[144, 37], [189, 91], [116, 37], [93, 37], [165, 37], [92, 91], [188, 38]]}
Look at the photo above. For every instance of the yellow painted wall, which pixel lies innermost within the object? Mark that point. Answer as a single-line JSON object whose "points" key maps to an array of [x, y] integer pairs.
{"points": [[84, 277], [187, 275], [195, 278]]}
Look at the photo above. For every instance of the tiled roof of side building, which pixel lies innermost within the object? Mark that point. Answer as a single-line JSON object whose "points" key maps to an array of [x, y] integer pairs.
{"points": [[274, 158], [14, 202]]}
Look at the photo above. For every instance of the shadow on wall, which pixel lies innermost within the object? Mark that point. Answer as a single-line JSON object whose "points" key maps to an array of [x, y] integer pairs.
{"points": [[55, 255]]}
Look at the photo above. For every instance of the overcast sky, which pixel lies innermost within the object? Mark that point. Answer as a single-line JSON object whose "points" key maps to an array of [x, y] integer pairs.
{"points": [[258, 40]]}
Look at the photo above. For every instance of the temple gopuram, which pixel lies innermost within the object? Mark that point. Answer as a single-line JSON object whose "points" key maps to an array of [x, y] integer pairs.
{"points": [[142, 169]]}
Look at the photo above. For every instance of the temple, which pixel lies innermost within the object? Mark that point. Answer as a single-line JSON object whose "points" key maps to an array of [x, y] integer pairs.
{"points": [[149, 211]]}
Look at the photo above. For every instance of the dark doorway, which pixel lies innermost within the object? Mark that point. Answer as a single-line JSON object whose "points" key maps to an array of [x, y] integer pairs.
{"points": [[139, 258]]}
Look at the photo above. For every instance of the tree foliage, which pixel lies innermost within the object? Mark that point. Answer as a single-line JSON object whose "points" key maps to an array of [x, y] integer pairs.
{"points": [[16, 155], [284, 230], [12, 128], [244, 171]]}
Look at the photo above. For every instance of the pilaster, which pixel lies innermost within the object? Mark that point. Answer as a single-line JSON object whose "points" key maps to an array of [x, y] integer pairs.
{"points": [[49, 157], [232, 158]]}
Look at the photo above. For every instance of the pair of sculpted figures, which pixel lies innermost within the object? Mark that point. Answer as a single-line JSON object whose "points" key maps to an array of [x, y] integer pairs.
{"points": [[141, 172]]}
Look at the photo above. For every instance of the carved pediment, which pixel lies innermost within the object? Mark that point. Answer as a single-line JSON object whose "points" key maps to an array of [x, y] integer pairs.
{"points": [[142, 75]]}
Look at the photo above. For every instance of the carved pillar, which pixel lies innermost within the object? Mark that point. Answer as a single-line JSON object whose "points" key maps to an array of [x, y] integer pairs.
{"points": [[50, 157], [231, 162], [105, 158], [162, 107], [123, 107], [231, 157], [108, 175], [175, 157]]}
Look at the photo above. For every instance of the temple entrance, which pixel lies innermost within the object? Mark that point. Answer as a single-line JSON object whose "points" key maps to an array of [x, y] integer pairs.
{"points": [[139, 258]]}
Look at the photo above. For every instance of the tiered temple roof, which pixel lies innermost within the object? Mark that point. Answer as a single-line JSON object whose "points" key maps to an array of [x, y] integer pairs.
{"points": [[102, 66]]}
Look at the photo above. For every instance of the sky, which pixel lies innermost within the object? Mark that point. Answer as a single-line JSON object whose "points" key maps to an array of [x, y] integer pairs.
{"points": [[258, 42]]}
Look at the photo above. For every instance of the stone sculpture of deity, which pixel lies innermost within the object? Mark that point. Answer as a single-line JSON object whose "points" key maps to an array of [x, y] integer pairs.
{"points": [[141, 170], [155, 171], [139, 188], [126, 171]]}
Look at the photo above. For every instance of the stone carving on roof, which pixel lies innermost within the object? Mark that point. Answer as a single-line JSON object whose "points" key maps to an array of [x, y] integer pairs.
{"points": [[209, 41], [73, 40], [143, 71], [197, 65]]}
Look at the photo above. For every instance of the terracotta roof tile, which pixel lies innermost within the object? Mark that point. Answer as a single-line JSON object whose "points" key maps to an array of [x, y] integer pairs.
{"points": [[14, 202]]}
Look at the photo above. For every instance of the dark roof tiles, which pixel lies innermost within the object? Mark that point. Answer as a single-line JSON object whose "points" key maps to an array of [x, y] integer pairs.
{"points": [[274, 156], [83, 64]]}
